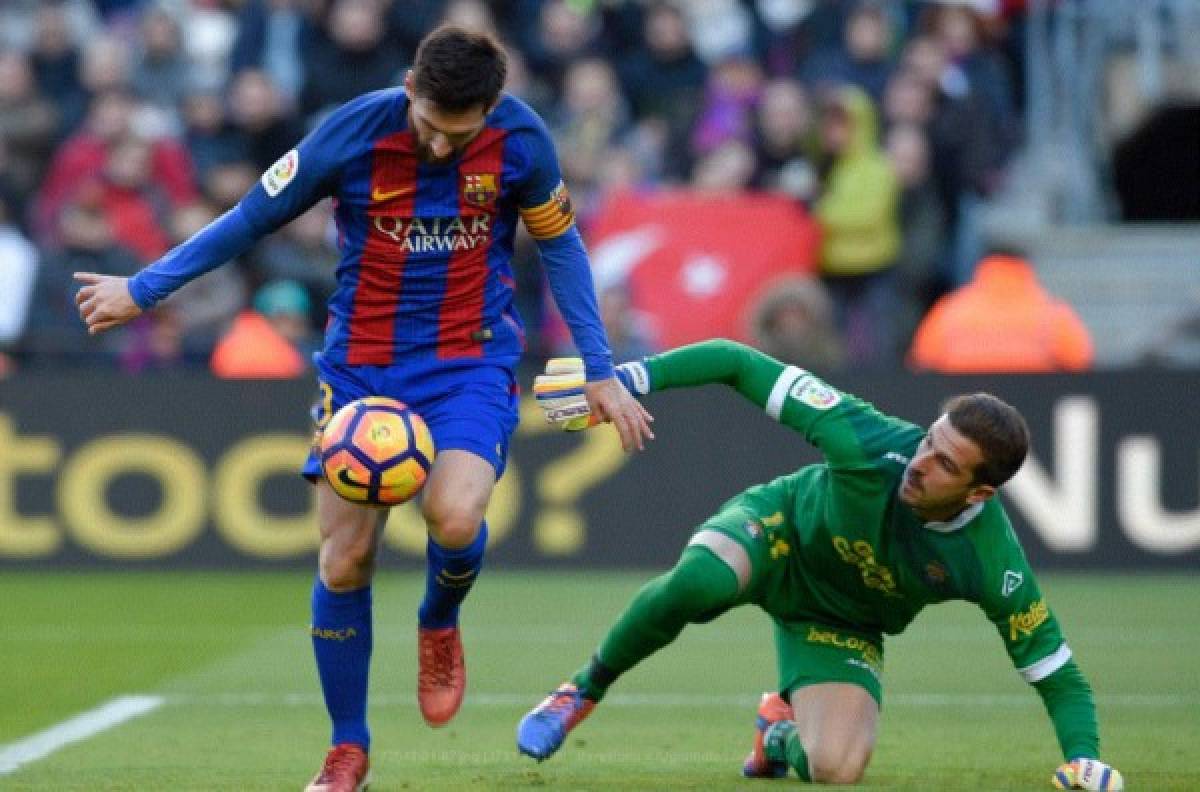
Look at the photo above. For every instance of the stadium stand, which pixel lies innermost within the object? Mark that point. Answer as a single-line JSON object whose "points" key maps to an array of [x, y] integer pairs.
{"points": [[124, 120]]}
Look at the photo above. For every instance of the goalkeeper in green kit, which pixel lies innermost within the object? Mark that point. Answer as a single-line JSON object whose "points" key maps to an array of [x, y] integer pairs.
{"points": [[838, 554]]}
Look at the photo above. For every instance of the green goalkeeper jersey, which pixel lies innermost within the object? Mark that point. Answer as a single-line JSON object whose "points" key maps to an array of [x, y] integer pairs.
{"points": [[866, 561]]}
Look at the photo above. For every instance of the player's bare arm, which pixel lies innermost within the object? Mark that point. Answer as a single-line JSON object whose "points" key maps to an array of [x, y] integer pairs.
{"points": [[611, 402], [104, 301]]}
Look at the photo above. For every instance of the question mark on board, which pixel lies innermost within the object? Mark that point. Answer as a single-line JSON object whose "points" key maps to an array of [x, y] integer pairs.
{"points": [[559, 528]]}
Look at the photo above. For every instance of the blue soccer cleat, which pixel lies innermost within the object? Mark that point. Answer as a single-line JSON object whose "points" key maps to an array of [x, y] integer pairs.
{"points": [[771, 710], [542, 731]]}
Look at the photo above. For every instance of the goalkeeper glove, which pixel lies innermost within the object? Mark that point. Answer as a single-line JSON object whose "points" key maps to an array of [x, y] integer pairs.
{"points": [[560, 393], [1089, 774]]}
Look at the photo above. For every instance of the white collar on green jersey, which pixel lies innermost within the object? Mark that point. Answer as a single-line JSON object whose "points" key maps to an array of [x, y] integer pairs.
{"points": [[965, 516]]}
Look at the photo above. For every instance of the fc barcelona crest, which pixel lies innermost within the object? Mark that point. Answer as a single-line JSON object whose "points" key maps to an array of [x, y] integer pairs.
{"points": [[479, 188], [562, 199]]}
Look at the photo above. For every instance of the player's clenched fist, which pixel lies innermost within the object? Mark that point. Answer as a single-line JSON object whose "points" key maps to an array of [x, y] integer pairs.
{"points": [[104, 301], [1088, 774]]}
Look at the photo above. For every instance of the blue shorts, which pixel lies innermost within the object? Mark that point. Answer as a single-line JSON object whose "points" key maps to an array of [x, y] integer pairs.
{"points": [[468, 408]]}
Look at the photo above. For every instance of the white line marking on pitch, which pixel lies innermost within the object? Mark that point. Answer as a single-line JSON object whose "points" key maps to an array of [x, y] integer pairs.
{"points": [[80, 727], [697, 700]]}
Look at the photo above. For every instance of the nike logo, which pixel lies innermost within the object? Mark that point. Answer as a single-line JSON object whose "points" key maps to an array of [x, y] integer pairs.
{"points": [[387, 195], [344, 476]]}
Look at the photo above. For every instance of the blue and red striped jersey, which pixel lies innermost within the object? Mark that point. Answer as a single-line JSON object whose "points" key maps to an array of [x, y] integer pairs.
{"points": [[425, 270]]}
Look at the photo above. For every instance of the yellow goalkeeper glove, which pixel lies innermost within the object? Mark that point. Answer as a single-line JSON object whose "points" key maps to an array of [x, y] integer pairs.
{"points": [[560, 394]]}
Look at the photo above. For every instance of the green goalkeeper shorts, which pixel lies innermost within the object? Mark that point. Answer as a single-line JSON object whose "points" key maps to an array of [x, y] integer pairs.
{"points": [[809, 650], [810, 653]]}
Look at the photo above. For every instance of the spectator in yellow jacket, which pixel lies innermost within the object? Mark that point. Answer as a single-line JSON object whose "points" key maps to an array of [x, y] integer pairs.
{"points": [[858, 210]]}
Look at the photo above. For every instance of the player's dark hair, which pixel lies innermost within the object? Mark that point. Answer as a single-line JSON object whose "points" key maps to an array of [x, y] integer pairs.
{"points": [[459, 69], [997, 428]]}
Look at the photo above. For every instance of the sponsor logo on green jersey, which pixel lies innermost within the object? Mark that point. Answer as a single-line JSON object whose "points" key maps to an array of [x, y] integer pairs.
{"points": [[1025, 622], [862, 555], [867, 650]]}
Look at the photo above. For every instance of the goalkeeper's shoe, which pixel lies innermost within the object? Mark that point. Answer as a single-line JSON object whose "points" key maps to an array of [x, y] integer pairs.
{"points": [[345, 770], [441, 673], [771, 710], [1090, 774], [542, 731]]}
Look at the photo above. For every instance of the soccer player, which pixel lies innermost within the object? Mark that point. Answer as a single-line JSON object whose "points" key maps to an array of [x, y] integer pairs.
{"points": [[839, 553], [429, 180]]}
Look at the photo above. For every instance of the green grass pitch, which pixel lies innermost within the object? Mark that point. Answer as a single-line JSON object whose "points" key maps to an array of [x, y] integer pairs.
{"points": [[230, 656]]}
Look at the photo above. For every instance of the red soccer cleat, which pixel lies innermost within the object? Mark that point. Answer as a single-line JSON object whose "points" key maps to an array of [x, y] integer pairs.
{"points": [[441, 673], [771, 709], [345, 770]]}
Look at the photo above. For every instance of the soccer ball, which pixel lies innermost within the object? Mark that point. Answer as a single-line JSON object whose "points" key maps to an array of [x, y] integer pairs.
{"points": [[376, 452]]}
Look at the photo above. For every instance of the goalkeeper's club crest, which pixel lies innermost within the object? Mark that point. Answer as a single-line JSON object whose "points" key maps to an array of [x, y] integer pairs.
{"points": [[479, 188], [935, 573]]}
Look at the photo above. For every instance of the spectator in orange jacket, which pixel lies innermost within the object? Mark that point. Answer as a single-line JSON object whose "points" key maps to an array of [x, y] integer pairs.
{"points": [[1002, 320], [270, 341]]}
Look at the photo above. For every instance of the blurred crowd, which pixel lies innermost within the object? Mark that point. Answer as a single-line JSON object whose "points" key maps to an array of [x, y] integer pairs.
{"points": [[127, 125]]}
